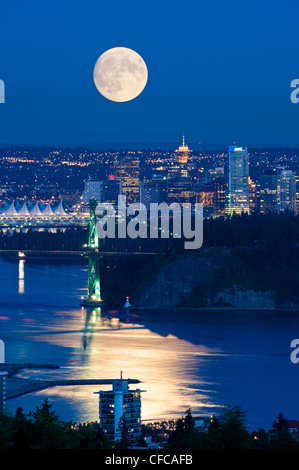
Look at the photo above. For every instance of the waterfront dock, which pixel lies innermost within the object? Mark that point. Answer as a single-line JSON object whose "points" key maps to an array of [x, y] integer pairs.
{"points": [[18, 386]]}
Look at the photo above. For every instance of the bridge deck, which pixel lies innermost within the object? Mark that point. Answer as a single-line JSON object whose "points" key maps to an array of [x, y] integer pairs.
{"points": [[73, 253]]}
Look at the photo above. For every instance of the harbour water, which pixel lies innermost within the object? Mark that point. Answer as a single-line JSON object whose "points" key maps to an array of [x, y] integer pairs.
{"points": [[202, 360]]}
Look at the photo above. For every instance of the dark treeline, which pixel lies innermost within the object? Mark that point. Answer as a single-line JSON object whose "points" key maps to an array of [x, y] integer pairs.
{"points": [[43, 429], [261, 252], [229, 431], [72, 239], [276, 232], [258, 251]]}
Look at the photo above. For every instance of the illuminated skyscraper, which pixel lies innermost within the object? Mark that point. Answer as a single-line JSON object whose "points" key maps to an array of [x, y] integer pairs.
{"points": [[214, 173], [177, 170], [127, 171], [212, 191], [183, 152], [252, 195], [102, 190], [238, 180], [111, 189], [153, 190], [206, 196], [212, 194], [117, 404], [180, 184], [92, 189], [267, 189], [220, 193], [286, 191]]}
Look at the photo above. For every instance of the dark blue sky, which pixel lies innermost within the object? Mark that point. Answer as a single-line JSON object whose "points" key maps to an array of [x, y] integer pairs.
{"points": [[219, 71]]}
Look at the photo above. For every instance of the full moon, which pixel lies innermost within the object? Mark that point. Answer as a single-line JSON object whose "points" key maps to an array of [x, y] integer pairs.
{"points": [[120, 74]]}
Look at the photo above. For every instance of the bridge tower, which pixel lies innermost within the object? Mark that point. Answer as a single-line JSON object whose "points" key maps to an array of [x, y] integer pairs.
{"points": [[94, 287]]}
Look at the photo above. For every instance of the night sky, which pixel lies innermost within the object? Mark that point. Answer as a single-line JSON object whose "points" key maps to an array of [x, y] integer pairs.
{"points": [[219, 71]]}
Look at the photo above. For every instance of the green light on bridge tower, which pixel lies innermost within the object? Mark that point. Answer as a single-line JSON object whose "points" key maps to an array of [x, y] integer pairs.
{"points": [[94, 285], [94, 289], [93, 241]]}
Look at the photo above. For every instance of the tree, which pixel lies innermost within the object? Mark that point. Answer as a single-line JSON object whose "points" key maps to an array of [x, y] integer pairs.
{"points": [[233, 430], [42, 429], [22, 430], [90, 436], [259, 439], [6, 439], [185, 435], [177, 437], [211, 439], [189, 422], [124, 441], [48, 431], [281, 437]]}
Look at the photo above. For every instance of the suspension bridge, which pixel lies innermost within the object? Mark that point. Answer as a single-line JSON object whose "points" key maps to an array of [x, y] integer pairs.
{"points": [[93, 298]]}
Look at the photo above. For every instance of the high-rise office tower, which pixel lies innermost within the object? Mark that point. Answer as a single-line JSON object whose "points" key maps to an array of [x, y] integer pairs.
{"points": [[180, 185], [238, 198], [214, 173], [212, 191], [286, 191], [181, 190], [212, 194], [118, 404], [179, 167], [102, 190], [267, 190], [111, 189], [153, 190], [92, 189], [206, 196], [127, 171], [220, 193], [177, 170], [253, 200]]}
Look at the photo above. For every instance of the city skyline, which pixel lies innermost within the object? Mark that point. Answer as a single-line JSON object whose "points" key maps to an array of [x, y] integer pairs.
{"points": [[149, 227], [234, 181]]}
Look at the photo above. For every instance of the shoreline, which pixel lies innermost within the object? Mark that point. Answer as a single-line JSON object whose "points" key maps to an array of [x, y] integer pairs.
{"points": [[83, 254], [17, 387], [207, 309]]}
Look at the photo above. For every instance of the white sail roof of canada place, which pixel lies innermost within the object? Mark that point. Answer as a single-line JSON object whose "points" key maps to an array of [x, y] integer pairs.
{"points": [[59, 210], [47, 210], [18, 206], [35, 210], [11, 210], [23, 210]]}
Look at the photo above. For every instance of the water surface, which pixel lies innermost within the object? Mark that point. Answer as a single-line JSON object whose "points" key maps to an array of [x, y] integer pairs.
{"points": [[199, 360]]}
